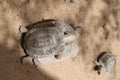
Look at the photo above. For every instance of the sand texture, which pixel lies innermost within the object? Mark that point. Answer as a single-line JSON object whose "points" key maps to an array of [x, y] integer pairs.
{"points": [[100, 23]]}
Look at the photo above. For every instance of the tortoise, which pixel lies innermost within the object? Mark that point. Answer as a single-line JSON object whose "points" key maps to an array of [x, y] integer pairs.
{"points": [[49, 42], [71, 1], [105, 63]]}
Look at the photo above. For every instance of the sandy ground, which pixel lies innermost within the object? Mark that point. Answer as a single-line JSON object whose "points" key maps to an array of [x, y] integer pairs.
{"points": [[99, 19]]}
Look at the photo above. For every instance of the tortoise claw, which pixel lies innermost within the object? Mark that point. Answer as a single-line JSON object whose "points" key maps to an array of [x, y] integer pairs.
{"points": [[34, 64]]}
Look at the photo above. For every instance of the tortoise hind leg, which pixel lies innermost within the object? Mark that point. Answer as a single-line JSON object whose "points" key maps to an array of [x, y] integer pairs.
{"points": [[29, 59], [26, 59], [23, 29]]}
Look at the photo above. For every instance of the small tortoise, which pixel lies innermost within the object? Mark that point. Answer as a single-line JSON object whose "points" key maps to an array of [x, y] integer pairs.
{"points": [[105, 63], [49, 42]]}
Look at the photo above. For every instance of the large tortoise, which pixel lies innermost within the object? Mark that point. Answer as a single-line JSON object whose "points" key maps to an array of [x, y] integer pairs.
{"points": [[49, 42], [105, 63]]}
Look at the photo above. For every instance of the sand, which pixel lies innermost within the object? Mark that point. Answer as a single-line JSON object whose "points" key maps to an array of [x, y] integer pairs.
{"points": [[100, 23]]}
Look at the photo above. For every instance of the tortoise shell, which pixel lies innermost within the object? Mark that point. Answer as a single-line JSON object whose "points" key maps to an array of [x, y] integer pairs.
{"points": [[106, 62], [46, 38]]}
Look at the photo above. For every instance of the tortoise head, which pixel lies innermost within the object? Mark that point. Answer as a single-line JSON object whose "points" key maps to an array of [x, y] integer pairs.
{"points": [[98, 69], [72, 35]]}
